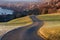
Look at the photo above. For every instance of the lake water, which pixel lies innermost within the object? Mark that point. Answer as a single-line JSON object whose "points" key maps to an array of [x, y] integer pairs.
{"points": [[5, 11]]}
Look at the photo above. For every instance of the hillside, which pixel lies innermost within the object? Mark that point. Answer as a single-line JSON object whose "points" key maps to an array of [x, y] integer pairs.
{"points": [[13, 24], [51, 28], [22, 21]]}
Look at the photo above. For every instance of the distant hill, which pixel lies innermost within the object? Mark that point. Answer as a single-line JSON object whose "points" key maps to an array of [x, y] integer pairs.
{"points": [[22, 9]]}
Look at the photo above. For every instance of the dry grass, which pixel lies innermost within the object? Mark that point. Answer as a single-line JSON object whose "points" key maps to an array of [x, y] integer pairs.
{"points": [[13, 24], [49, 17], [51, 28], [20, 21]]}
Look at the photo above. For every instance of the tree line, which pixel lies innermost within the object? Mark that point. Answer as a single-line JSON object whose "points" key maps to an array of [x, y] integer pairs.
{"points": [[45, 8], [15, 14]]}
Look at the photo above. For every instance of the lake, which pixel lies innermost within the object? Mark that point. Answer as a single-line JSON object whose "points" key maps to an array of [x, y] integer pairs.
{"points": [[5, 11]]}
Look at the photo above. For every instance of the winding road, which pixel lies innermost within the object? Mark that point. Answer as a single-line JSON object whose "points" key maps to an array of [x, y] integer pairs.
{"points": [[25, 33]]}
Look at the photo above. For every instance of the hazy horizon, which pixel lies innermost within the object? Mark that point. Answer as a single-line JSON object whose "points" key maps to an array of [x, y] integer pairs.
{"points": [[26, 0], [19, 0]]}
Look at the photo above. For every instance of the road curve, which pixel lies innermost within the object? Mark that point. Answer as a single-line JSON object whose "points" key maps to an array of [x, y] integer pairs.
{"points": [[25, 33]]}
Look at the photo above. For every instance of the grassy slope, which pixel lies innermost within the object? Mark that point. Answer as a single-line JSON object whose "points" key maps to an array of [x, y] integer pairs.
{"points": [[5, 27], [20, 21], [50, 17], [51, 27]]}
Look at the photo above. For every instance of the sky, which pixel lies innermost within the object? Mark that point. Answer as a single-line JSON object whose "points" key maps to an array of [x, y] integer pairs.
{"points": [[27, 0], [18, 0]]}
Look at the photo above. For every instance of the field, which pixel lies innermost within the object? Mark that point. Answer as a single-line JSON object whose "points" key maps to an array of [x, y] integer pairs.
{"points": [[49, 17], [20, 21], [7, 26], [51, 28]]}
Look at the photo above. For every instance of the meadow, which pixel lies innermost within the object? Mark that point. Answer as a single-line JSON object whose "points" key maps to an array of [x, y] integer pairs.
{"points": [[13, 24], [51, 28]]}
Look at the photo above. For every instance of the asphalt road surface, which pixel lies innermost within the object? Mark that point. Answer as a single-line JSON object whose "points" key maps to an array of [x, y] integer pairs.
{"points": [[25, 33]]}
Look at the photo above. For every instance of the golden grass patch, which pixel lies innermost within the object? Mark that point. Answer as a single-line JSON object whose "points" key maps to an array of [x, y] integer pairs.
{"points": [[13, 24], [50, 17], [50, 31], [51, 28]]}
